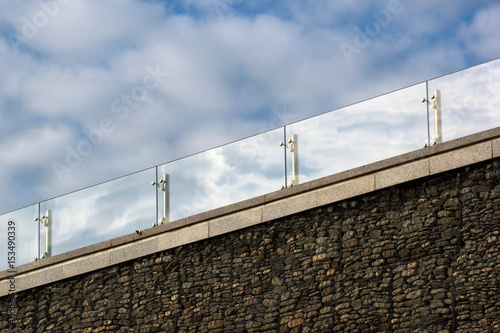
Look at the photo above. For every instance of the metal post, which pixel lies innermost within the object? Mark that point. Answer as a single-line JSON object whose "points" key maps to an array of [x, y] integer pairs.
{"points": [[436, 105], [166, 198], [164, 185], [294, 148], [46, 221], [284, 158], [48, 233], [36, 219], [438, 130]]}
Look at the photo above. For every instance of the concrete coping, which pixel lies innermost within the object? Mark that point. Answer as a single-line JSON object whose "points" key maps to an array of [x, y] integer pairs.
{"points": [[487, 141]]}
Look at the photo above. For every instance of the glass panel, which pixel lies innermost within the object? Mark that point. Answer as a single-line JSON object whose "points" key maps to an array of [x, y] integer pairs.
{"points": [[101, 212], [359, 134], [224, 175], [25, 237], [470, 102]]}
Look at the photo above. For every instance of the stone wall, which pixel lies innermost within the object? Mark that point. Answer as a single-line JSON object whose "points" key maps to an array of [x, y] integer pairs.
{"points": [[421, 256]]}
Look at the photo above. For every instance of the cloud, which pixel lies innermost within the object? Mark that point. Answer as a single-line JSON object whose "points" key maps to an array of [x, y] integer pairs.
{"points": [[26, 162], [480, 36], [72, 32]]}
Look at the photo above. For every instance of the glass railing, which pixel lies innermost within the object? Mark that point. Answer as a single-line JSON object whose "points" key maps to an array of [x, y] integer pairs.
{"points": [[101, 212], [20, 228], [470, 100], [224, 175], [362, 133], [372, 130]]}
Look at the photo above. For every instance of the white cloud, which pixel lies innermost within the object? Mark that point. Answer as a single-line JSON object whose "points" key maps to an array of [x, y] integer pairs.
{"points": [[26, 163], [481, 34], [84, 32], [55, 91]]}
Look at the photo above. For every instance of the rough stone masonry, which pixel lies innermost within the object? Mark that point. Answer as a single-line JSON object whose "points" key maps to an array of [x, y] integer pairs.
{"points": [[423, 256]]}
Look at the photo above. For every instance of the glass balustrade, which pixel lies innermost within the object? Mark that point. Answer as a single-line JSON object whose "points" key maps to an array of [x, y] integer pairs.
{"points": [[224, 175], [332, 142], [470, 102], [101, 212], [24, 235], [359, 134]]}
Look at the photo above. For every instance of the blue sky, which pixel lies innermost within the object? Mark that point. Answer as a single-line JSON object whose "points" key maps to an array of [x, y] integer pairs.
{"points": [[147, 82]]}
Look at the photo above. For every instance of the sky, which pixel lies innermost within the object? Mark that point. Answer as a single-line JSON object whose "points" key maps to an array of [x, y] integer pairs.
{"points": [[95, 90]]}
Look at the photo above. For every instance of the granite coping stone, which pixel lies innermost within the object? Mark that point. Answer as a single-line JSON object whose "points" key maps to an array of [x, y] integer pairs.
{"points": [[460, 157], [493, 135], [178, 237], [402, 173], [496, 148], [235, 221]]}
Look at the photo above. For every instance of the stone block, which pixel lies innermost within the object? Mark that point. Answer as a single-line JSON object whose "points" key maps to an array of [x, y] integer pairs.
{"points": [[289, 206], [132, 251], [401, 174], [4, 287], [43, 276], [496, 148], [345, 190], [186, 235], [461, 157], [86, 264], [236, 221]]}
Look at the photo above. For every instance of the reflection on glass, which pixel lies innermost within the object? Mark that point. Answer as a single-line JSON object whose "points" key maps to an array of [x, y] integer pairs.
{"points": [[101, 212], [470, 102], [25, 236], [224, 175], [362, 133]]}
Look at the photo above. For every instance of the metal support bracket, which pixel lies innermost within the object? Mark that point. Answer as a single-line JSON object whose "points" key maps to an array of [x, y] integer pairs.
{"points": [[436, 105], [164, 185], [46, 221], [294, 149]]}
